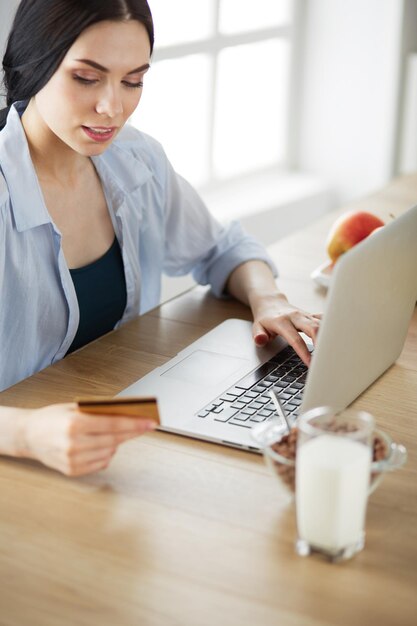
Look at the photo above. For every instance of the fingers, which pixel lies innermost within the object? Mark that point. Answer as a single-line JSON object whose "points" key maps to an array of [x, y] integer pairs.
{"points": [[94, 441], [308, 324], [92, 450], [288, 326], [296, 342], [91, 456], [260, 335], [104, 424], [286, 329], [89, 462], [95, 466], [62, 437]]}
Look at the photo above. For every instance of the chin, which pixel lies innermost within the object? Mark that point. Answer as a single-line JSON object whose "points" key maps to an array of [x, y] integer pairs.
{"points": [[90, 150], [96, 150]]}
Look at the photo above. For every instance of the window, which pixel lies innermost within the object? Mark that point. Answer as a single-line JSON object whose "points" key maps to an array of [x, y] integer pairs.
{"points": [[218, 93]]}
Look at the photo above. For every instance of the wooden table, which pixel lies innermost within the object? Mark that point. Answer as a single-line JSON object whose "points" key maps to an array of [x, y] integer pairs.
{"points": [[181, 532]]}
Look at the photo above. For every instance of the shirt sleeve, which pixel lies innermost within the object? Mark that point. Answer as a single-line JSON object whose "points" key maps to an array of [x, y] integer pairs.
{"points": [[197, 243]]}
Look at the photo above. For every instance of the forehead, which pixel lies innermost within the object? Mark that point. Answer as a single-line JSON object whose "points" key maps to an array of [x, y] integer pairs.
{"points": [[113, 44]]}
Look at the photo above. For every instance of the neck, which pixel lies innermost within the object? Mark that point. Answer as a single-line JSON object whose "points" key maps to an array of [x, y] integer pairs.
{"points": [[53, 159]]}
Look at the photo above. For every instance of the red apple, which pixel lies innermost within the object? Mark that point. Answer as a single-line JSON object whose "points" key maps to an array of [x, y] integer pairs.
{"points": [[348, 230]]}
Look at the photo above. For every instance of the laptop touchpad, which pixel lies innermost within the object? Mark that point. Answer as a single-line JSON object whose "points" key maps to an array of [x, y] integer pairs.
{"points": [[205, 368]]}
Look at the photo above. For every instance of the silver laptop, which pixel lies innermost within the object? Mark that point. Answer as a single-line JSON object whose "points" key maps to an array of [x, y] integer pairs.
{"points": [[217, 389]]}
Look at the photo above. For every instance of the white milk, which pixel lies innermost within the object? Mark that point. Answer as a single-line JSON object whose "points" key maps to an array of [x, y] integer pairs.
{"points": [[332, 480]]}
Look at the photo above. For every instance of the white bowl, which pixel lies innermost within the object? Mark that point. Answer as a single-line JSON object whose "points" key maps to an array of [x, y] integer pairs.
{"points": [[268, 435]]}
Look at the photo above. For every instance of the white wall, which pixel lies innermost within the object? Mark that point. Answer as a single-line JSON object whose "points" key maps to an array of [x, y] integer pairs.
{"points": [[7, 11], [349, 92], [406, 154]]}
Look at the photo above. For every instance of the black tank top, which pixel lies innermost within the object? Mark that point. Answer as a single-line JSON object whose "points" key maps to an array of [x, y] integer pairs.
{"points": [[101, 292]]}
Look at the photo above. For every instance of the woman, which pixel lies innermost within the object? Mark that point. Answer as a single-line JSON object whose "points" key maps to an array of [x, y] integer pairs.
{"points": [[91, 214]]}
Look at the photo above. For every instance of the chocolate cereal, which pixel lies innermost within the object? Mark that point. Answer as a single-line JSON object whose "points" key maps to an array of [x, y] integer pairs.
{"points": [[287, 448]]}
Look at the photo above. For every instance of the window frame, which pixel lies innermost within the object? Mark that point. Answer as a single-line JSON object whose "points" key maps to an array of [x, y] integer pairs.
{"points": [[212, 46]]}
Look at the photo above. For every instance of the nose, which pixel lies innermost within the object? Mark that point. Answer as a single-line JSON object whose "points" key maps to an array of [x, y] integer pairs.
{"points": [[110, 102]]}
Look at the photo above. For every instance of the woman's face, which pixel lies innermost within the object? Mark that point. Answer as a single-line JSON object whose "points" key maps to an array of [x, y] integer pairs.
{"points": [[97, 86]]}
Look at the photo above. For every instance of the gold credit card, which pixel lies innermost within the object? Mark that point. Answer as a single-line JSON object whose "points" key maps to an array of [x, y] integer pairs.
{"points": [[118, 407]]}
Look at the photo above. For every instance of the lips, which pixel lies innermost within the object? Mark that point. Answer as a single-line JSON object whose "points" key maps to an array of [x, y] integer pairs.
{"points": [[100, 134]]}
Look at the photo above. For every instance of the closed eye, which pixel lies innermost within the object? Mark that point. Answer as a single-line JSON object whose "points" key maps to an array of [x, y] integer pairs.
{"points": [[133, 85], [93, 81], [85, 81]]}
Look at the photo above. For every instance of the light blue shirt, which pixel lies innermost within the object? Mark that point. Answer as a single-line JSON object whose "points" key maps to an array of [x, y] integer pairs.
{"points": [[161, 223]]}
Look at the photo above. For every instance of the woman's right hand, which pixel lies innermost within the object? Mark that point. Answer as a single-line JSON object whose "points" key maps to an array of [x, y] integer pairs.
{"points": [[72, 442]]}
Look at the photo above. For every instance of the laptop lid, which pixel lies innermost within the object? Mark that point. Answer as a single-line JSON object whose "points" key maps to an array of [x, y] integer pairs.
{"points": [[369, 306]]}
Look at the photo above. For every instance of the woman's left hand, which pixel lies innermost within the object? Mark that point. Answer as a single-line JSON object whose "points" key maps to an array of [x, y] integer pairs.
{"points": [[254, 284], [274, 315]]}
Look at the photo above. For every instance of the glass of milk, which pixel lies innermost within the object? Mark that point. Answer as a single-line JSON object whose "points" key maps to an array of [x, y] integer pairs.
{"points": [[333, 461]]}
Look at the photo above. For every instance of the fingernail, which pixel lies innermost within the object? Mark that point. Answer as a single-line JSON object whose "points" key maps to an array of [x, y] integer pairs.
{"points": [[261, 339]]}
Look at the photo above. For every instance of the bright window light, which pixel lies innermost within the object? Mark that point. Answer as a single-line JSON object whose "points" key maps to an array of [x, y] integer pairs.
{"points": [[245, 15], [218, 92], [179, 21], [250, 115], [175, 110]]}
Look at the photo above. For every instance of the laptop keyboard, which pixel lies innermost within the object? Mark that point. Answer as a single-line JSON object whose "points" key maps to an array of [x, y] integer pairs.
{"points": [[248, 402]]}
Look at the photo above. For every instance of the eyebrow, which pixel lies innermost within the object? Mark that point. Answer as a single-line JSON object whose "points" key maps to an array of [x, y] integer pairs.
{"points": [[97, 66]]}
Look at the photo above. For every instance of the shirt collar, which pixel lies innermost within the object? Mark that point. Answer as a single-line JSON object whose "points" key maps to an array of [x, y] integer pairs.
{"points": [[116, 169], [120, 171], [28, 205]]}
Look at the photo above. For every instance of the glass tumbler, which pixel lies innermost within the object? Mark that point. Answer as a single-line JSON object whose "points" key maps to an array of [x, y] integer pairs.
{"points": [[333, 462]]}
